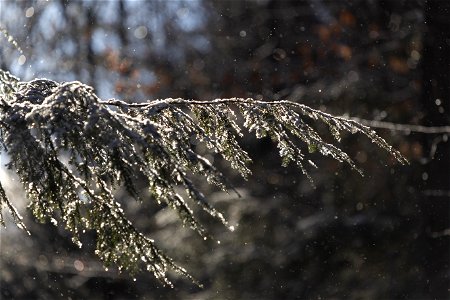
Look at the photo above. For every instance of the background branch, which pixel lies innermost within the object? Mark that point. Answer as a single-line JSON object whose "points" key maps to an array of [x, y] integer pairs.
{"points": [[404, 127]]}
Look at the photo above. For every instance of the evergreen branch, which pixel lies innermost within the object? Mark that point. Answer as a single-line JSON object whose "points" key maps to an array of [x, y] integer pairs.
{"points": [[15, 214], [112, 143], [339, 123]]}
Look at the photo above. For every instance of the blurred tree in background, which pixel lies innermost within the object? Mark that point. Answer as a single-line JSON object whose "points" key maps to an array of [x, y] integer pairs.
{"points": [[384, 236]]}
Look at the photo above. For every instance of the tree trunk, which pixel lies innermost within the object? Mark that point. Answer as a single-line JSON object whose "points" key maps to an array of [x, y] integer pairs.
{"points": [[436, 108]]}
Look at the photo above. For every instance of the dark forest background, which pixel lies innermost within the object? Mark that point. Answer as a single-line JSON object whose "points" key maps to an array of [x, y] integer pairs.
{"points": [[381, 236]]}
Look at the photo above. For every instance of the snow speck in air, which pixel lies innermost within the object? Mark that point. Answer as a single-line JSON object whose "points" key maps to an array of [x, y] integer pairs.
{"points": [[424, 176], [22, 59], [78, 264], [29, 12], [140, 32]]}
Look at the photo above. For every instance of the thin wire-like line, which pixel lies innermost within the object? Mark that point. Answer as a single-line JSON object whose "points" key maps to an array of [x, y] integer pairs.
{"points": [[404, 127]]}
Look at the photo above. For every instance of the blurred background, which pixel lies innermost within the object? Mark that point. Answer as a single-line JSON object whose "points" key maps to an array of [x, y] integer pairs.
{"points": [[382, 236]]}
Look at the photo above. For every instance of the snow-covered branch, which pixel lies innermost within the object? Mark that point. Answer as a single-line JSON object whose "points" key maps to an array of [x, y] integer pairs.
{"points": [[112, 143]]}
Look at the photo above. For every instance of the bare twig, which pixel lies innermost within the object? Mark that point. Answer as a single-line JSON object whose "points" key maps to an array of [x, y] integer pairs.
{"points": [[408, 128]]}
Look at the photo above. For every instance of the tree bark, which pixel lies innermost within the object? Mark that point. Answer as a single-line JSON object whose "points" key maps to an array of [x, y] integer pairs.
{"points": [[436, 173]]}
